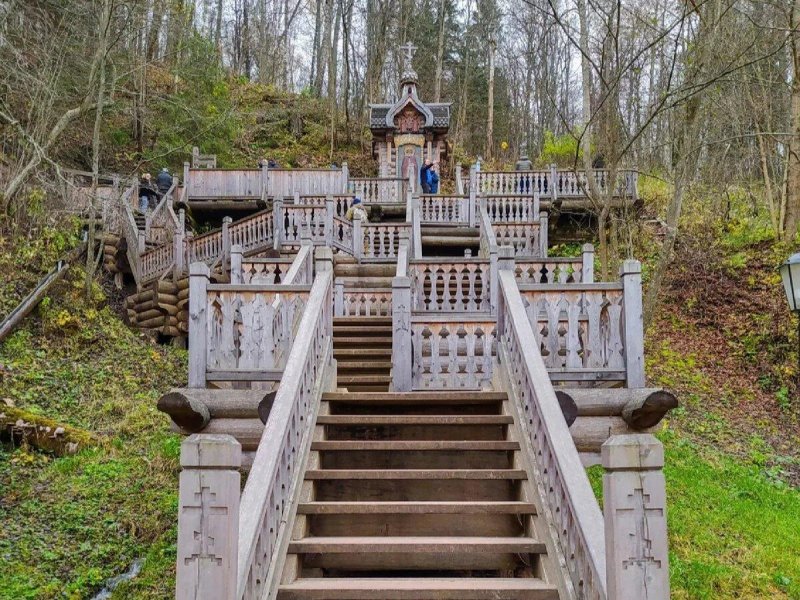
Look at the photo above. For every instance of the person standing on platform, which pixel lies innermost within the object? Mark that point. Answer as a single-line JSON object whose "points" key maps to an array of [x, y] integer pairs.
{"points": [[434, 178], [425, 176]]}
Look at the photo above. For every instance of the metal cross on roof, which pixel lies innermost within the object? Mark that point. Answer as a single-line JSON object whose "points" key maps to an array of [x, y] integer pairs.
{"points": [[409, 49]]}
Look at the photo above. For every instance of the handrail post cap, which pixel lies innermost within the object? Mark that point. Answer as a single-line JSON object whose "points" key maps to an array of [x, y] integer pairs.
{"points": [[632, 452], [199, 268], [588, 247], [211, 450], [630, 267]]}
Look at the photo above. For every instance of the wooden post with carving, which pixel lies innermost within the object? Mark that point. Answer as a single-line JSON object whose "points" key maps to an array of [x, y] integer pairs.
{"points": [[635, 515], [401, 334], [236, 263], [199, 274], [208, 518], [358, 239], [226, 242], [330, 212], [277, 222], [338, 298], [473, 193], [345, 177], [553, 183], [544, 223], [186, 166], [587, 270], [631, 274]]}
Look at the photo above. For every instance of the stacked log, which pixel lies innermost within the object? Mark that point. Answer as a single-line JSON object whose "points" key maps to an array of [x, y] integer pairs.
{"points": [[155, 308], [183, 305], [113, 258]]}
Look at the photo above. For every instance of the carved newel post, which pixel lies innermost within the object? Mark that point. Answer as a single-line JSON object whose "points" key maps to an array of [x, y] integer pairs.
{"points": [[635, 514], [208, 518]]}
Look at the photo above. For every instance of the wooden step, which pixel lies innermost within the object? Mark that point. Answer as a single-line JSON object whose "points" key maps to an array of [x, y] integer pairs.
{"points": [[361, 366], [413, 445], [363, 321], [358, 341], [357, 330], [418, 397], [367, 553], [370, 379], [412, 431], [415, 474], [468, 242], [415, 419], [357, 354], [412, 588], [416, 508]]}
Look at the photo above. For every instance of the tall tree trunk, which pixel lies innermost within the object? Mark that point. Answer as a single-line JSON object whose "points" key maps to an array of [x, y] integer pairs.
{"points": [[490, 107], [793, 189], [437, 95]]}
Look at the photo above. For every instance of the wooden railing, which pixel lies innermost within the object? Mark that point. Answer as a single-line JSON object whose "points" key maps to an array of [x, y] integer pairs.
{"points": [[590, 331], [381, 241], [557, 270], [238, 184], [277, 471], [568, 498], [284, 183], [253, 233], [452, 351], [260, 270], [436, 209], [378, 189], [527, 239], [129, 230], [156, 262], [361, 301], [551, 183], [457, 285], [300, 218], [513, 208], [162, 223]]}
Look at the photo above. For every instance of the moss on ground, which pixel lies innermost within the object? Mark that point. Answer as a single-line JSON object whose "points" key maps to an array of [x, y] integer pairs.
{"points": [[68, 524]]}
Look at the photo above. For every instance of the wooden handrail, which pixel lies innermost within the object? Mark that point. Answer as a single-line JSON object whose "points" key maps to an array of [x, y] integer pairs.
{"points": [[566, 493]]}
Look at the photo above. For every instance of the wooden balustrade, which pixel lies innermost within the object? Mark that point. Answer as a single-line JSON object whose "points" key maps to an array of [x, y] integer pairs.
{"points": [[552, 183], [297, 216], [557, 270], [253, 233], [268, 498], [156, 262], [341, 202], [513, 208], [206, 248], [452, 351], [381, 240], [284, 183], [361, 302], [527, 239], [378, 189], [342, 235], [247, 329], [589, 331], [234, 184], [564, 488], [457, 285], [435, 209], [261, 270]]}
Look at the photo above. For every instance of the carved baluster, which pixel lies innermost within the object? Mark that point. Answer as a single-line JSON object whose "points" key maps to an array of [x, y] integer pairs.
{"points": [[436, 366], [452, 356], [573, 306], [471, 368], [616, 359]]}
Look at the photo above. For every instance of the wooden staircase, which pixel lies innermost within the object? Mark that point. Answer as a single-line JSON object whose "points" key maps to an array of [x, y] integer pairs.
{"points": [[417, 495], [363, 348], [449, 240]]}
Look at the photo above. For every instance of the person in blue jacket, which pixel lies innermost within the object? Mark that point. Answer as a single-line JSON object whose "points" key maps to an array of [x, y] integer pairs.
{"points": [[425, 176], [434, 177]]}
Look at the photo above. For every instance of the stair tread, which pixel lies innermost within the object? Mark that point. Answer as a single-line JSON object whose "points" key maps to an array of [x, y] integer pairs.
{"points": [[419, 583], [432, 544], [417, 507], [343, 379], [436, 474], [363, 321], [415, 420], [346, 365], [387, 329], [337, 352], [413, 445], [388, 397]]}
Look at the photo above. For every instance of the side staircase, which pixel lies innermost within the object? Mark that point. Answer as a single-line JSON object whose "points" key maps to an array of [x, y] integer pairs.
{"points": [[417, 495]]}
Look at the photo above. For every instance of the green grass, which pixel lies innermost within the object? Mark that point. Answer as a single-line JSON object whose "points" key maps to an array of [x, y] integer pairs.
{"points": [[733, 533], [68, 524]]}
